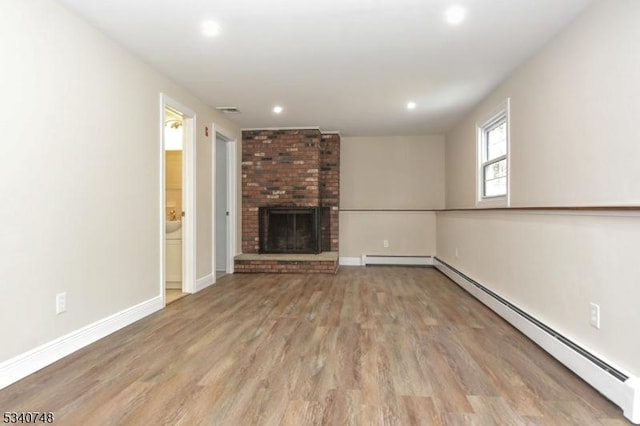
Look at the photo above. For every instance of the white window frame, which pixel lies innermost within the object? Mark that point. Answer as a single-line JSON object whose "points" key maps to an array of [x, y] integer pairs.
{"points": [[499, 113]]}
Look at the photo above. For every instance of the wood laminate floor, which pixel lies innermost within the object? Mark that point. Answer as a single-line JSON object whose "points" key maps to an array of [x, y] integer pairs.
{"points": [[368, 346]]}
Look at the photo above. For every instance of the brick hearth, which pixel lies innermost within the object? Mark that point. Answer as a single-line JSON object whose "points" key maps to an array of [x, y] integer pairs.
{"points": [[326, 262], [296, 168]]}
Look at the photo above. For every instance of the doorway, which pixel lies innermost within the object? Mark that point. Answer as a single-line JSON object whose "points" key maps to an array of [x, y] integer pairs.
{"points": [[173, 150], [222, 207], [224, 202], [177, 183]]}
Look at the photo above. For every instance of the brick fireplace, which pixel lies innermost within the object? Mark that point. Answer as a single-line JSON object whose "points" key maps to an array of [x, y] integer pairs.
{"points": [[285, 170]]}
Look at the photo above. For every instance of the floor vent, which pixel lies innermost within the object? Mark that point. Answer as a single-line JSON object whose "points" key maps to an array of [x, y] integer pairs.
{"points": [[613, 383]]}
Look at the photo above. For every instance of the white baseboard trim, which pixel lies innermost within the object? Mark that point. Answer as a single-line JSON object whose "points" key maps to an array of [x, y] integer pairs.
{"points": [[21, 366], [372, 259], [623, 392], [350, 261], [204, 282]]}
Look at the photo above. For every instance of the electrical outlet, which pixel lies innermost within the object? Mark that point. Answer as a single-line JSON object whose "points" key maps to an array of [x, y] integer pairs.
{"points": [[385, 243], [594, 315], [456, 252], [61, 303]]}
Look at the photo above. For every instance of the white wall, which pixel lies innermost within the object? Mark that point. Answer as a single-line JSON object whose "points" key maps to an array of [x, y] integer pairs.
{"points": [[574, 118], [574, 142], [381, 179], [392, 172], [80, 125], [408, 233]]}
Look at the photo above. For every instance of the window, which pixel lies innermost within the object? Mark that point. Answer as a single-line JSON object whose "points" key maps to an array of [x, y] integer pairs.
{"points": [[493, 158]]}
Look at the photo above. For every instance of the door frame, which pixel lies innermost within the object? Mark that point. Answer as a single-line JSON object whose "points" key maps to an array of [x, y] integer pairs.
{"points": [[232, 186], [188, 196]]}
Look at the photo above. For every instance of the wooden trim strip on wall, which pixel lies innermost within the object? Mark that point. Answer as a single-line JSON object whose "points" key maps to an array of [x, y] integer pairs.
{"points": [[388, 210], [559, 208], [506, 209]]}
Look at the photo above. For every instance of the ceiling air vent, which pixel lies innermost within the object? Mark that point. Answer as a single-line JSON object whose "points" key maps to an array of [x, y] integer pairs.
{"points": [[228, 110]]}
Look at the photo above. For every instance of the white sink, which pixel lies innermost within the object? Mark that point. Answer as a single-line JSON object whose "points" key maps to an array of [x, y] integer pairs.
{"points": [[172, 226]]}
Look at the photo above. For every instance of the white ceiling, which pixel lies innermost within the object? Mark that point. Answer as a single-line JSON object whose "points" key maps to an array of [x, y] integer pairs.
{"points": [[346, 65]]}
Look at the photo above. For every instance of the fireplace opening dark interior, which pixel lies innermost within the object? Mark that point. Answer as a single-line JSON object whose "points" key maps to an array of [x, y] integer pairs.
{"points": [[292, 229]]}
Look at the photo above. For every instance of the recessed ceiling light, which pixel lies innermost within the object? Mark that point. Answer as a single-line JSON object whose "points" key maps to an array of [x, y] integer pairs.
{"points": [[277, 109], [455, 14], [210, 28], [411, 105]]}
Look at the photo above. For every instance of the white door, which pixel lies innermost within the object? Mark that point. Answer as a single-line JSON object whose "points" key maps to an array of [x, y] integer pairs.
{"points": [[222, 208]]}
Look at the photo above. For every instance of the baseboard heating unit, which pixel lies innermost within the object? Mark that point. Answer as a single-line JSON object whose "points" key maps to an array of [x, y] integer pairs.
{"points": [[374, 259], [618, 386]]}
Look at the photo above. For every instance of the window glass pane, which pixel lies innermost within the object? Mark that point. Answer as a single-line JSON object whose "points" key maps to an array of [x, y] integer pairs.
{"points": [[497, 141], [493, 165], [495, 187], [495, 170]]}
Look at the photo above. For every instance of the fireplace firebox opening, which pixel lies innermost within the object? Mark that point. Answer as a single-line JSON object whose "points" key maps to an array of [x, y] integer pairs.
{"points": [[292, 229]]}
